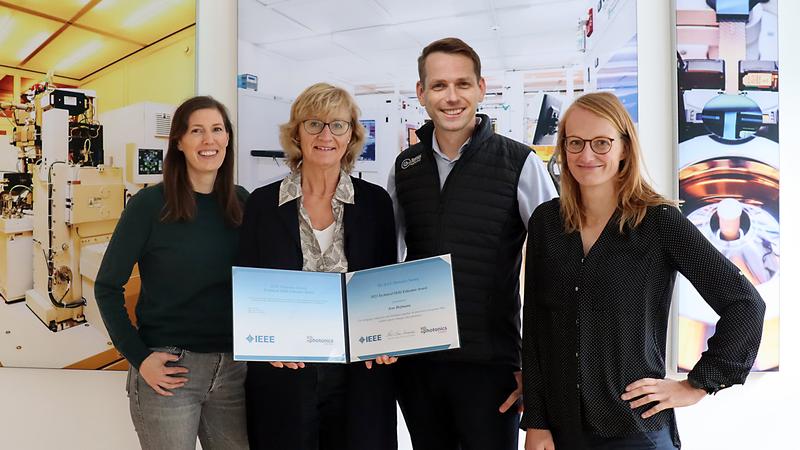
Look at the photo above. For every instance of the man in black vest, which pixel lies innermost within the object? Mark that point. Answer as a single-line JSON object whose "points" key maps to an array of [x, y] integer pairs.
{"points": [[466, 191]]}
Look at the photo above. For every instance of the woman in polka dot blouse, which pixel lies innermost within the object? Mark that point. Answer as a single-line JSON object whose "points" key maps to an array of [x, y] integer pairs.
{"points": [[601, 266]]}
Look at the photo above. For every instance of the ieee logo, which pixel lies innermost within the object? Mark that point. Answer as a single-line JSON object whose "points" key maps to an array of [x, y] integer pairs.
{"points": [[260, 339], [372, 338]]}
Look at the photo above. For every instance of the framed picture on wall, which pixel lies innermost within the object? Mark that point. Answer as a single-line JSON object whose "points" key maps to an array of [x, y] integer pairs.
{"points": [[368, 154]]}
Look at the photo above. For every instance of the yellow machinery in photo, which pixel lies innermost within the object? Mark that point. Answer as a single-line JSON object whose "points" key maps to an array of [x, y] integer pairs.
{"points": [[65, 199]]}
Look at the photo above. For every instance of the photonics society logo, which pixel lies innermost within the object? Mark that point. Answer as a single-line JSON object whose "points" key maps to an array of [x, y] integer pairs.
{"points": [[319, 340], [439, 329]]}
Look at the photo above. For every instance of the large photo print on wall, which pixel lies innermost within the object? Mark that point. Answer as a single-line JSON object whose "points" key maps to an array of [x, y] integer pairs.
{"points": [[728, 155], [87, 91]]}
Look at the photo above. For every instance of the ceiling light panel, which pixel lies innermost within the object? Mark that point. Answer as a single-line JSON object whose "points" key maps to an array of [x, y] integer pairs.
{"points": [[500, 4], [544, 59], [531, 45], [76, 53], [470, 28], [308, 49], [64, 9], [31, 45], [7, 25], [259, 24], [540, 19], [346, 68], [326, 16], [143, 22], [26, 33], [416, 10], [377, 39]]}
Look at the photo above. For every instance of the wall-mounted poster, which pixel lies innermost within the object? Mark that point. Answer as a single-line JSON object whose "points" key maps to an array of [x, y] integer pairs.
{"points": [[369, 144], [728, 155], [87, 91]]}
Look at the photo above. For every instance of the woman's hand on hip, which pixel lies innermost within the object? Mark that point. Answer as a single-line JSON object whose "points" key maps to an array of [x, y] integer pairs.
{"points": [[538, 439], [159, 376], [664, 393]]}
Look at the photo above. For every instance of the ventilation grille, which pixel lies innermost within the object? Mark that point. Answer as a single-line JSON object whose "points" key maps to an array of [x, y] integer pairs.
{"points": [[163, 121]]}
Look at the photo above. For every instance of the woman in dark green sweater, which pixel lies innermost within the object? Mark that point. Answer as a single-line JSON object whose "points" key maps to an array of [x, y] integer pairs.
{"points": [[183, 233]]}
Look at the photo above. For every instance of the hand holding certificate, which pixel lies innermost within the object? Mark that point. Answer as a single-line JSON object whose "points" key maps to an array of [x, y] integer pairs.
{"points": [[402, 309]]}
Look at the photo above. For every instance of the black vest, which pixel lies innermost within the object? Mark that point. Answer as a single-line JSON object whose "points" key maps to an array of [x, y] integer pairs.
{"points": [[475, 218]]}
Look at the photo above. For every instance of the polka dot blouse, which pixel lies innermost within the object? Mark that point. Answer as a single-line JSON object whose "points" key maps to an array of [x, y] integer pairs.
{"points": [[594, 324]]}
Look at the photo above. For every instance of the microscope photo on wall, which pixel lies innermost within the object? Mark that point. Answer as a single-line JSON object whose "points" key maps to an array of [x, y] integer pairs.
{"points": [[728, 155]]}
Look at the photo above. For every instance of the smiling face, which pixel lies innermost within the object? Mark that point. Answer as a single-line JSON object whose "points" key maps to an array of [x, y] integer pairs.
{"points": [[325, 150], [451, 92], [588, 168], [204, 144]]}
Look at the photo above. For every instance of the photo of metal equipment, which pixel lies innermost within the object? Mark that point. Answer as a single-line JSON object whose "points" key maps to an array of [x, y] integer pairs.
{"points": [[729, 156]]}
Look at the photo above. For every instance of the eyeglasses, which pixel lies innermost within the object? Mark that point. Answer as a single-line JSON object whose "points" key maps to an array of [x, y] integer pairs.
{"points": [[600, 145], [337, 127]]}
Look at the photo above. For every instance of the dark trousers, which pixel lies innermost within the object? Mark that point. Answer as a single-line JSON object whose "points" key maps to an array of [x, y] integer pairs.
{"points": [[454, 406], [656, 440], [321, 407]]}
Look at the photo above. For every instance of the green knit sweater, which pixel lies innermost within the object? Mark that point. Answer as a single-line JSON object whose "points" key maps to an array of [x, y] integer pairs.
{"points": [[185, 269]]}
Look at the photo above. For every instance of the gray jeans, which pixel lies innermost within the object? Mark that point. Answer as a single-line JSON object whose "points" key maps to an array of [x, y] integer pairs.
{"points": [[210, 405]]}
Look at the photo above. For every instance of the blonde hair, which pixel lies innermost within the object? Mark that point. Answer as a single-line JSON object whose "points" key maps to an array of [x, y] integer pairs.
{"points": [[320, 100], [634, 194]]}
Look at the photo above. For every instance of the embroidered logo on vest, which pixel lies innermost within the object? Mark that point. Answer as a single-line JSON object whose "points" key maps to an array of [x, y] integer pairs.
{"points": [[408, 162]]}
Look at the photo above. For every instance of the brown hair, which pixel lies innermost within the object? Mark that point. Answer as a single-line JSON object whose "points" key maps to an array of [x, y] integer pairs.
{"points": [[318, 100], [179, 198], [634, 194], [450, 46]]}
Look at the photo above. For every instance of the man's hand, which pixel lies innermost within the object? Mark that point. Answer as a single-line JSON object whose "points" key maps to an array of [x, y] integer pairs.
{"points": [[385, 359], [288, 365], [515, 395]]}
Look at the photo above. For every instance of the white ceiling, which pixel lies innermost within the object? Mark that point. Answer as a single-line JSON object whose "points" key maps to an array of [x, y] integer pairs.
{"points": [[377, 42]]}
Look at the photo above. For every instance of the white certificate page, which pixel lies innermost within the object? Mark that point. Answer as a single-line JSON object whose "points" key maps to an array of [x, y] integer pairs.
{"points": [[287, 315], [402, 309]]}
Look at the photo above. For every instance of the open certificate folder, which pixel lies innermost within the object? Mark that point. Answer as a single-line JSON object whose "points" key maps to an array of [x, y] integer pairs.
{"points": [[293, 316]]}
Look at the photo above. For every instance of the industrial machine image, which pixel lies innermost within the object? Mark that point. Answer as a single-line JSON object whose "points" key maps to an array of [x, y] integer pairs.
{"points": [[58, 211], [729, 155]]}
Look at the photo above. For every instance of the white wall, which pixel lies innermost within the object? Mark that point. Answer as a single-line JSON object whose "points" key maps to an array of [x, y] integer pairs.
{"points": [[88, 410]]}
